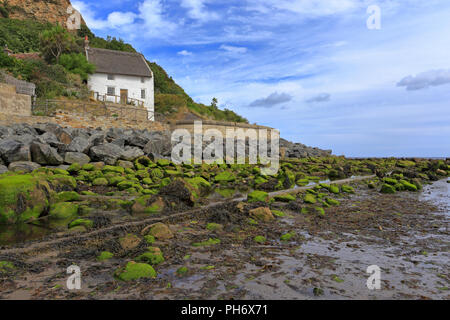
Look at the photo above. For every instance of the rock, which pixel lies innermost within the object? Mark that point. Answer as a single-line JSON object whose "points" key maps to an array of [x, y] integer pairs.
{"points": [[138, 140], [387, 188], [131, 154], [129, 242], [63, 136], [153, 256], [159, 230], [224, 177], [97, 139], [258, 196], [11, 151], [309, 198], [159, 144], [79, 144], [23, 166], [63, 210], [134, 271], [263, 214], [3, 169], [23, 198], [81, 222], [76, 157], [148, 204], [125, 164], [108, 153], [44, 154]]}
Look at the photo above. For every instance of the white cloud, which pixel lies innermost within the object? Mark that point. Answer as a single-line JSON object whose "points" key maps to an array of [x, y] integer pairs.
{"points": [[425, 80], [185, 53], [155, 22], [118, 19], [197, 10], [233, 49], [310, 7]]}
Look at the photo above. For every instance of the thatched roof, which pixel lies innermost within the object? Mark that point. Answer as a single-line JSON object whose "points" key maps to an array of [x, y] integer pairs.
{"points": [[118, 62]]}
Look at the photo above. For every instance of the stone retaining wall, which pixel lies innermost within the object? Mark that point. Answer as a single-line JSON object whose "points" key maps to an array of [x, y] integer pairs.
{"points": [[12, 103]]}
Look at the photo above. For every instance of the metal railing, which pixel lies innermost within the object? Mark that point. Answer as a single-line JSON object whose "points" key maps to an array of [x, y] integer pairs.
{"points": [[50, 108]]}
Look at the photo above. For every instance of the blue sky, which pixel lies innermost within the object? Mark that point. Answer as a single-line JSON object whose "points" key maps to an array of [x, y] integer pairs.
{"points": [[310, 68]]}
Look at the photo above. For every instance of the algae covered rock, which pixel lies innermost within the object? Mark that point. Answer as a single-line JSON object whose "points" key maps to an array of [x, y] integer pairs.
{"points": [[408, 186], [159, 230], [387, 188], [63, 210], [262, 214], [309, 198], [148, 204], [285, 198], [135, 271], [67, 196], [23, 198], [81, 222], [105, 255], [153, 256], [258, 196], [130, 241], [347, 189], [259, 239], [224, 177]]}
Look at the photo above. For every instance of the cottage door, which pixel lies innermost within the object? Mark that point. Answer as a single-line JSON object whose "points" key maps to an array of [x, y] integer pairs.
{"points": [[123, 96]]}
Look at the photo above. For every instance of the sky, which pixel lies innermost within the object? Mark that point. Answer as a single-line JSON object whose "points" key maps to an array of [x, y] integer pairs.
{"points": [[311, 68]]}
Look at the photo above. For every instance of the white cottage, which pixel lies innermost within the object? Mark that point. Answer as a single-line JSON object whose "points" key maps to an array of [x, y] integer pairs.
{"points": [[121, 77]]}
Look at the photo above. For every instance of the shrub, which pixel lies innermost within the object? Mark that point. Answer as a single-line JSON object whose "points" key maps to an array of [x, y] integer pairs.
{"points": [[78, 64]]}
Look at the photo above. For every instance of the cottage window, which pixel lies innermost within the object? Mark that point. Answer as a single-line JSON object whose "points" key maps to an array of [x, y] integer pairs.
{"points": [[143, 94], [110, 77], [142, 80], [111, 91]]}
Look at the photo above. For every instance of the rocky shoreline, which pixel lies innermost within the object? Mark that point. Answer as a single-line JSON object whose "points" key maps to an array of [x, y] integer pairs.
{"points": [[140, 226]]}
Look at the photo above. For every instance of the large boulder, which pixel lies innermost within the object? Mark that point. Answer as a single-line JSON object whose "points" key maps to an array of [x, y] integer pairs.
{"points": [[79, 144], [108, 153], [131, 153], [76, 157], [23, 166], [11, 151], [159, 144], [3, 169], [23, 198], [138, 139], [97, 139], [44, 154]]}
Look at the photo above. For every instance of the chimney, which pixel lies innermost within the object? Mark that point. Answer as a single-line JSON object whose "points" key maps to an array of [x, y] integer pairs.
{"points": [[7, 51], [86, 42]]}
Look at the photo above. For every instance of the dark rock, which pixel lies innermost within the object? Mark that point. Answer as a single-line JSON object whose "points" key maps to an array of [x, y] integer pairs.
{"points": [[10, 149], [76, 157], [44, 154], [79, 144], [97, 139], [108, 153], [3, 169], [131, 154], [24, 166], [159, 144]]}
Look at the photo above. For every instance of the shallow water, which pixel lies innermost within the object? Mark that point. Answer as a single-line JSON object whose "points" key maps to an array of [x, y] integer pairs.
{"points": [[439, 194]]}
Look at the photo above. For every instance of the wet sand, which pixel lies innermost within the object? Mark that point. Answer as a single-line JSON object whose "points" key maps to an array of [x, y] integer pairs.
{"points": [[405, 234]]}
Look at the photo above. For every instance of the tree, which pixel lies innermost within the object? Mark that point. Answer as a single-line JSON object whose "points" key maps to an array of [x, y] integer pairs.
{"points": [[214, 103], [78, 64], [55, 42]]}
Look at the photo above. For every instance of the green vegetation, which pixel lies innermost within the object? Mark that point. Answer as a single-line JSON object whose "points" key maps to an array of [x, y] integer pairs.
{"points": [[65, 67], [105, 255], [208, 242], [135, 271]]}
